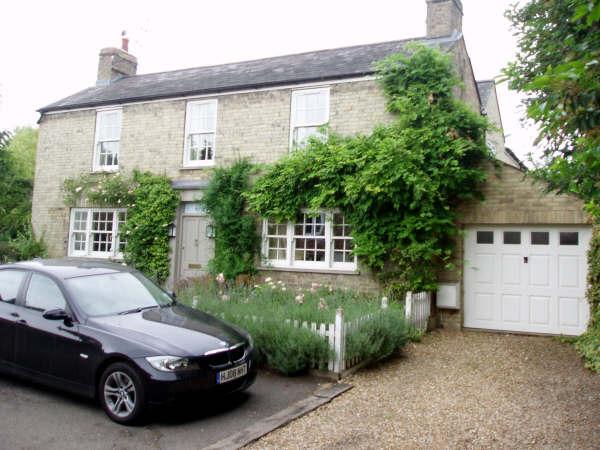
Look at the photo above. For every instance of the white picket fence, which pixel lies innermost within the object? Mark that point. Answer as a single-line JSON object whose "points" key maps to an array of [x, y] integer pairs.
{"points": [[417, 307]]}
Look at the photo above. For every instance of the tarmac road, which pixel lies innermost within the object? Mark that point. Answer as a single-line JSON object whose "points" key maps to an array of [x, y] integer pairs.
{"points": [[32, 416]]}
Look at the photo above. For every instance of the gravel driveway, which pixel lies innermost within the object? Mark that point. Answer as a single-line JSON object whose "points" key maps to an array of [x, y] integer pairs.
{"points": [[460, 389]]}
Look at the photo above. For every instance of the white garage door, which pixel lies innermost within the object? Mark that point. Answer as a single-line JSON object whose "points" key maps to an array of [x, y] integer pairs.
{"points": [[526, 279]]}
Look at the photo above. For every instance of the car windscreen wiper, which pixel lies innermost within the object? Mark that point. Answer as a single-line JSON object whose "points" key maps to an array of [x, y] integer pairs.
{"points": [[137, 310]]}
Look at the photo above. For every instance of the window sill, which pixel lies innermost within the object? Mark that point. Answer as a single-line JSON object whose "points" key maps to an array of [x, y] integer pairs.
{"points": [[95, 171], [203, 166], [315, 270]]}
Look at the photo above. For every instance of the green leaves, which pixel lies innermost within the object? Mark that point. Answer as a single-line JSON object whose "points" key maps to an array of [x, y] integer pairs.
{"points": [[398, 186], [153, 207], [557, 68], [236, 240]]}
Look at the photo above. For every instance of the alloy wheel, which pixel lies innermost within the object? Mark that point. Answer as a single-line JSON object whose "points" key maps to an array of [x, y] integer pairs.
{"points": [[119, 394]]}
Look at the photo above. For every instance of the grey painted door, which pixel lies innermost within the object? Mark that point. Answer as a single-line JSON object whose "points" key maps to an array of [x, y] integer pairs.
{"points": [[196, 247]]}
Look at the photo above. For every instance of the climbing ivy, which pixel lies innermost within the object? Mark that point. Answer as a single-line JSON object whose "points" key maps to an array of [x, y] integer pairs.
{"points": [[151, 205], [236, 240], [398, 186]]}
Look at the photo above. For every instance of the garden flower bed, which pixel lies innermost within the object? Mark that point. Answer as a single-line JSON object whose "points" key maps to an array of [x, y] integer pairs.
{"points": [[299, 329]]}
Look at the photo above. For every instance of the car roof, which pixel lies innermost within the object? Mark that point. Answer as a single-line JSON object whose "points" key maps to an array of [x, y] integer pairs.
{"points": [[69, 268]]}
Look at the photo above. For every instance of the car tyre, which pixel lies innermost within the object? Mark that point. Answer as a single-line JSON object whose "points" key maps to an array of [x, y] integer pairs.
{"points": [[122, 394]]}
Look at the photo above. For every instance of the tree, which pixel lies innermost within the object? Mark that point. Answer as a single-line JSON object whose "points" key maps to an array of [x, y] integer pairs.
{"points": [[558, 69], [22, 148]]}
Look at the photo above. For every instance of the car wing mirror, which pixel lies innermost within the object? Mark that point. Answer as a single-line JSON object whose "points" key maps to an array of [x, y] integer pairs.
{"points": [[56, 314], [172, 295]]}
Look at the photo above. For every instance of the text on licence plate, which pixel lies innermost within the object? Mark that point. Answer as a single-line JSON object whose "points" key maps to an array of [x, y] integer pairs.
{"points": [[231, 374]]}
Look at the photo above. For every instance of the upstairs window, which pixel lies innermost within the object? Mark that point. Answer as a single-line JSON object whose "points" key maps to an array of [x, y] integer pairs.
{"points": [[200, 131], [95, 232], [310, 112], [108, 136]]}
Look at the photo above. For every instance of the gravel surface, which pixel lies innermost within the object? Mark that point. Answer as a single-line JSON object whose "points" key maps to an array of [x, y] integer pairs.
{"points": [[460, 390]]}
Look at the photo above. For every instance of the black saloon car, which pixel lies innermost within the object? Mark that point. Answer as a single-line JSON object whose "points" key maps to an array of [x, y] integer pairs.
{"points": [[105, 331]]}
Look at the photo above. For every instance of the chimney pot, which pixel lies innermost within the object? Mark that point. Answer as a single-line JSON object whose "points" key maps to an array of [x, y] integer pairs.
{"points": [[125, 44]]}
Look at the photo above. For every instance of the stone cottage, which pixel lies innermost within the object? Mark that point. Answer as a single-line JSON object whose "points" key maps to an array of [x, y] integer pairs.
{"points": [[522, 263]]}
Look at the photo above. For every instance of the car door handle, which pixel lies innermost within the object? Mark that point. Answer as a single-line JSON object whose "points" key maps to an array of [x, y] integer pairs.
{"points": [[14, 314], [22, 321]]}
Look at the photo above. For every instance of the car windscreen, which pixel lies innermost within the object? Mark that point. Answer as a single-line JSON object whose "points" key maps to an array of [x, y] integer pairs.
{"points": [[115, 293]]}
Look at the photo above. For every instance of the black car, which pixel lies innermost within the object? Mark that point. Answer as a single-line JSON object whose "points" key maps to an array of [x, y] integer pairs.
{"points": [[105, 331]]}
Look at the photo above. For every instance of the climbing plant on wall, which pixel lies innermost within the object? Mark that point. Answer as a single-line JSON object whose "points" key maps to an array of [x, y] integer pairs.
{"points": [[236, 239], [398, 186], [151, 205]]}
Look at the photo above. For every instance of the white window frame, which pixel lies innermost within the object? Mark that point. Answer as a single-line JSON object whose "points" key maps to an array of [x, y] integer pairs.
{"points": [[114, 252], [294, 120], [96, 166], [186, 143], [291, 263]]}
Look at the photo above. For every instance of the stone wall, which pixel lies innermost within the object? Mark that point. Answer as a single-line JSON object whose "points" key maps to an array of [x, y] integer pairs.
{"points": [[254, 125]]}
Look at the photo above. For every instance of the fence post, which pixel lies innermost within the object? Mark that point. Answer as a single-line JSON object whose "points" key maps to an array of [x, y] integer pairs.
{"points": [[340, 342], [408, 306]]}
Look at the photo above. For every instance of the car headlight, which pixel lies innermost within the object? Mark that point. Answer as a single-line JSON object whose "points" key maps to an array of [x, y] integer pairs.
{"points": [[168, 363]]}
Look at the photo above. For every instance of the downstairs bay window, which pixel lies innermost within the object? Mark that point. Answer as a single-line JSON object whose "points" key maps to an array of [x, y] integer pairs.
{"points": [[94, 232], [321, 241]]}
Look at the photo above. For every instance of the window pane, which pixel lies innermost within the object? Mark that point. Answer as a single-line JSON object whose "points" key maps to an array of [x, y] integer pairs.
{"points": [[44, 294], [485, 237], [512, 237], [540, 238], [201, 146], [202, 117], [569, 238], [102, 236], [10, 281]]}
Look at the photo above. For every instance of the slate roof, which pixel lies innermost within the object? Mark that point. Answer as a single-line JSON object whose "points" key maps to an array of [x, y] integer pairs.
{"points": [[485, 88], [313, 66]]}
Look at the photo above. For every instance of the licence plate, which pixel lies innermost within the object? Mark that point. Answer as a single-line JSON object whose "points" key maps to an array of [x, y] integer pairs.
{"points": [[231, 374]]}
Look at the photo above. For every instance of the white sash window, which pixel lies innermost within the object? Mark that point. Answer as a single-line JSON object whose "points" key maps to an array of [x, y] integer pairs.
{"points": [[200, 132], [107, 142], [310, 112], [94, 232]]}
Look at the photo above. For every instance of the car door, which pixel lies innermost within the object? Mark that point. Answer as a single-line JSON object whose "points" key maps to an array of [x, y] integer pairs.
{"points": [[51, 347], [11, 283]]}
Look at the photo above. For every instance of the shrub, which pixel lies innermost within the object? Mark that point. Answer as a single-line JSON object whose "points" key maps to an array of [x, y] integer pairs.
{"points": [[265, 309], [25, 246]]}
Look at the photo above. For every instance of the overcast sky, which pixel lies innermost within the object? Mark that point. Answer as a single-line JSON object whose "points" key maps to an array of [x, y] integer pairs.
{"points": [[49, 49]]}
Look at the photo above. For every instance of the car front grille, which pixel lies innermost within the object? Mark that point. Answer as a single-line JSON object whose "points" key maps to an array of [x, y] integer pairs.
{"points": [[227, 356]]}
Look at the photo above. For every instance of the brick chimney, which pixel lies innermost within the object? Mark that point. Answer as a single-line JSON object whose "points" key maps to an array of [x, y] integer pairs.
{"points": [[444, 17], [115, 63]]}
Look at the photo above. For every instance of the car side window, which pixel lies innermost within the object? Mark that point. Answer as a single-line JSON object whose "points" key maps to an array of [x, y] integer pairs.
{"points": [[10, 282], [43, 294]]}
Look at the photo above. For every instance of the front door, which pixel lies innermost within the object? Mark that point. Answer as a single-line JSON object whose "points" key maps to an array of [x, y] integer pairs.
{"points": [[197, 245]]}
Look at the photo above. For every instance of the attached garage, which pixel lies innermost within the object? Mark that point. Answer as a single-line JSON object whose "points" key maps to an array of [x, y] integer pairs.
{"points": [[526, 279]]}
